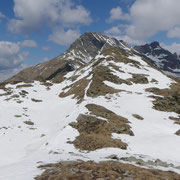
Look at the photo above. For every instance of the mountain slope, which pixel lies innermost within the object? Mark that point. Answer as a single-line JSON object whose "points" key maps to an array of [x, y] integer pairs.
{"points": [[161, 58], [85, 48], [116, 104]]}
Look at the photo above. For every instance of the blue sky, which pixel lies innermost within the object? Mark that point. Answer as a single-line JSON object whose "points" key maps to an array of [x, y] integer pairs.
{"points": [[34, 31]]}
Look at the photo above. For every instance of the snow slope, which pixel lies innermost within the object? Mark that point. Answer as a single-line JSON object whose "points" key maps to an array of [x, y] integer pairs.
{"points": [[24, 147]]}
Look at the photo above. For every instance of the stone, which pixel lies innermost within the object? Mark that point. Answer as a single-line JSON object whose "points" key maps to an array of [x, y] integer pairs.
{"points": [[177, 132]]}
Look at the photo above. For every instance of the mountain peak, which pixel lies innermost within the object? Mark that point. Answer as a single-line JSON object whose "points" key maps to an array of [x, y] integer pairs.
{"points": [[161, 58], [155, 45], [80, 52], [88, 45]]}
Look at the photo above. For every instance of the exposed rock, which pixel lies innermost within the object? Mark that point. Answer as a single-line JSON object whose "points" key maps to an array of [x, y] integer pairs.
{"points": [[94, 134], [113, 157], [178, 132], [29, 123], [24, 85], [169, 100], [77, 89], [137, 116], [177, 120], [158, 162], [36, 100], [139, 79]]}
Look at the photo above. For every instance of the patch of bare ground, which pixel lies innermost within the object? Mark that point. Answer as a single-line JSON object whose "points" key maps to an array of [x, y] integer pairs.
{"points": [[17, 116], [7, 91], [106, 170], [30, 123], [47, 84], [99, 74], [95, 133], [169, 99], [59, 78], [2, 85], [98, 88], [6, 94], [137, 116], [139, 79], [36, 100], [40, 79], [177, 132], [175, 119], [23, 93], [24, 85], [116, 67], [120, 55], [77, 89]]}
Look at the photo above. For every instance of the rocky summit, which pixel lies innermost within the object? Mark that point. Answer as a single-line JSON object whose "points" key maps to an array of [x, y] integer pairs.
{"points": [[161, 58], [101, 110], [83, 50]]}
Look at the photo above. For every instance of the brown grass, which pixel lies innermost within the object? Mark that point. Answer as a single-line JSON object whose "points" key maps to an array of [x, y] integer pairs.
{"points": [[77, 89], [36, 100], [170, 101], [95, 133], [24, 85], [137, 116], [106, 170], [30, 123], [121, 56], [98, 88]]}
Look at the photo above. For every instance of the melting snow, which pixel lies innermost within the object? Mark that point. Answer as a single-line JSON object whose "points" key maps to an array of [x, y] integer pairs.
{"points": [[24, 147]]}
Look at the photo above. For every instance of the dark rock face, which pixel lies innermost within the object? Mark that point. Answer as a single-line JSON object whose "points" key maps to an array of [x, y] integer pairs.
{"points": [[161, 58]]}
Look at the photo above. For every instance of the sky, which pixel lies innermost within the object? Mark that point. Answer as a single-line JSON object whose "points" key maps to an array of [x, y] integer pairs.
{"points": [[35, 31]]}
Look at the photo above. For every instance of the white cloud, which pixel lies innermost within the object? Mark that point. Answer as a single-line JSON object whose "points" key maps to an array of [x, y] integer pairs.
{"points": [[148, 17], [45, 59], [174, 47], [129, 40], [78, 15], [2, 16], [46, 48], [174, 32], [117, 14], [34, 15], [152, 16], [62, 37], [28, 43], [7, 73], [10, 56], [114, 30], [120, 35]]}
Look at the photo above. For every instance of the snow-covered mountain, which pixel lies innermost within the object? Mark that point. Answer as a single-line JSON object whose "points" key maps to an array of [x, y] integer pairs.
{"points": [[83, 50], [107, 104], [162, 58]]}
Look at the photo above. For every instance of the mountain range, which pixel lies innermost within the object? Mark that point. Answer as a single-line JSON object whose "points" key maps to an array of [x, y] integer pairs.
{"points": [[87, 46], [101, 110]]}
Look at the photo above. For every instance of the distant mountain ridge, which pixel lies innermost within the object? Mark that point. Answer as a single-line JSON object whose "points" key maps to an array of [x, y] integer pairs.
{"points": [[161, 58]]}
